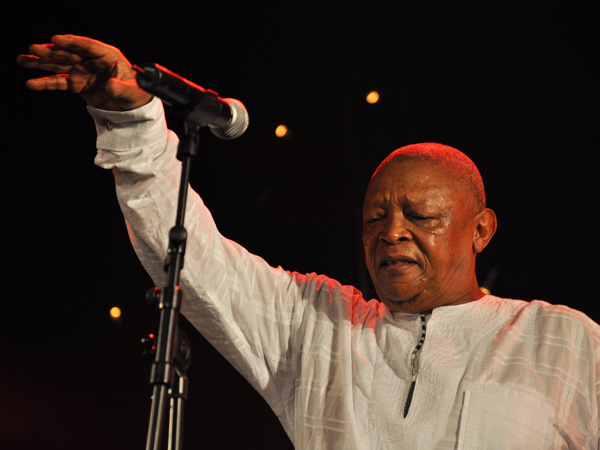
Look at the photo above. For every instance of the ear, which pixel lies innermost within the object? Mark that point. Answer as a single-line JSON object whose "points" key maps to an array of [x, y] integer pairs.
{"points": [[485, 227]]}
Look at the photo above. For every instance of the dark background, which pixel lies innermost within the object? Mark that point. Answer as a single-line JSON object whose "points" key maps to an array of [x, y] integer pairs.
{"points": [[511, 86]]}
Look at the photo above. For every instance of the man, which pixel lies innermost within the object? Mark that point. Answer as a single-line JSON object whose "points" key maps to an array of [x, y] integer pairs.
{"points": [[435, 364]]}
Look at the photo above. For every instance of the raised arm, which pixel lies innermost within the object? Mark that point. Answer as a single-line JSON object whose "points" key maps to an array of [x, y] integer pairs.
{"points": [[264, 320]]}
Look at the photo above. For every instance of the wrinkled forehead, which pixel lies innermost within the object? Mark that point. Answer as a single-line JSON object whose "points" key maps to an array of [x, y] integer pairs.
{"points": [[462, 169], [415, 181], [409, 173]]}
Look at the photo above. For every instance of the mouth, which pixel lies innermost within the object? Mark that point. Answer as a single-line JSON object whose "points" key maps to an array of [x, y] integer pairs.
{"points": [[396, 263]]}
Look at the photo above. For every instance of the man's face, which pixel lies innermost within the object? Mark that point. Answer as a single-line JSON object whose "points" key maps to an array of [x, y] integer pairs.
{"points": [[419, 226]]}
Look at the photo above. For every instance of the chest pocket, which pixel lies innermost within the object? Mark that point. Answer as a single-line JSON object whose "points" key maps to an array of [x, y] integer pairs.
{"points": [[501, 417]]}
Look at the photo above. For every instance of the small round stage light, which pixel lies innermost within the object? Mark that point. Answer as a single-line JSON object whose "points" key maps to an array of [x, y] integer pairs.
{"points": [[281, 131], [115, 312], [372, 97]]}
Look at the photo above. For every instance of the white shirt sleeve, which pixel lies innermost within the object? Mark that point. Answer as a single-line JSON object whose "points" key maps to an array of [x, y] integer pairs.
{"points": [[248, 310]]}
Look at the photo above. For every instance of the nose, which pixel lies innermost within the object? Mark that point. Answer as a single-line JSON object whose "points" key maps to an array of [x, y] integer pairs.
{"points": [[395, 229]]}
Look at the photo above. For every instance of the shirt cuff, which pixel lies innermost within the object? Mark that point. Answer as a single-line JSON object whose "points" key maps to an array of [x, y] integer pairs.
{"points": [[120, 131]]}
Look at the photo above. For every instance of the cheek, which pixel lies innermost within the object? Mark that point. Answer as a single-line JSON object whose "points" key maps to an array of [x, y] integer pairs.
{"points": [[440, 252], [369, 253], [450, 252], [368, 238], [369, 247]]}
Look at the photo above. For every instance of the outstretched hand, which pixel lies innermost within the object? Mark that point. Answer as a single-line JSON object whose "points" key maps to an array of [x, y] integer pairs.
{"points": [[98, 72]]}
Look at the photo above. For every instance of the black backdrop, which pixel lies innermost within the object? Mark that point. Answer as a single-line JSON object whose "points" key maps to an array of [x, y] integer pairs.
{"points": [[509, 85]]}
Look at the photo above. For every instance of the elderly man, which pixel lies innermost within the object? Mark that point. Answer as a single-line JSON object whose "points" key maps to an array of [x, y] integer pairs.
{"points": [[434, 364]]}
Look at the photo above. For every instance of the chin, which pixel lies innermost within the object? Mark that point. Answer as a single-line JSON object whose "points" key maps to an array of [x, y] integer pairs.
{"points": [[405, 304], [398, 305]]}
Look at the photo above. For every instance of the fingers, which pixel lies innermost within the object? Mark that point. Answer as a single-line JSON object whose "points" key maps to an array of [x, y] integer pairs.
{"points": [[51, 83], [57, 54], [28, 61], [78, 43], [48, 57], [53, 52], [74, 47], [68, 50], [49, 65]]}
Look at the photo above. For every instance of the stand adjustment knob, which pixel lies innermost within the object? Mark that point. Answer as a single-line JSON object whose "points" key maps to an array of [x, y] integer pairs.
{"points": [[153, 296]]}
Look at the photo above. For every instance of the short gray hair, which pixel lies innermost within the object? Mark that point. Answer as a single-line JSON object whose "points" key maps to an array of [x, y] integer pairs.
{"points": [[452, 159]]}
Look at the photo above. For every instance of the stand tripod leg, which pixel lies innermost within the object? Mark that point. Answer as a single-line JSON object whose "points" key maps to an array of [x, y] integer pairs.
{"points": [[159, 397], [177, 401]]}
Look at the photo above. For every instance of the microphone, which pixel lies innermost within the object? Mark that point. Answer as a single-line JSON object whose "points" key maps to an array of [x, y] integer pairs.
{"points": [[227, 118]]}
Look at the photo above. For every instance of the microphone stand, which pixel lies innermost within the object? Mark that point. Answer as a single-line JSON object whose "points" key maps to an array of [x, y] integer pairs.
{"points": [[171, 349]]}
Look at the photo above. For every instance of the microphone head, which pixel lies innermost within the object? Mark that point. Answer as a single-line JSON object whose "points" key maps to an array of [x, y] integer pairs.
{"points": [[238, 123]]}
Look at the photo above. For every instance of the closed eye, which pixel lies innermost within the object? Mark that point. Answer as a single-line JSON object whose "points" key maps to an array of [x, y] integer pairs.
{"points": [[373, 219], [423, 220], [420, 217]]}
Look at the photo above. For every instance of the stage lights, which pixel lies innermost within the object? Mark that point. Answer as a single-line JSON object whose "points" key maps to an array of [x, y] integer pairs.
{"points": [[281, 131], [115, 312], [372, 97]]}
